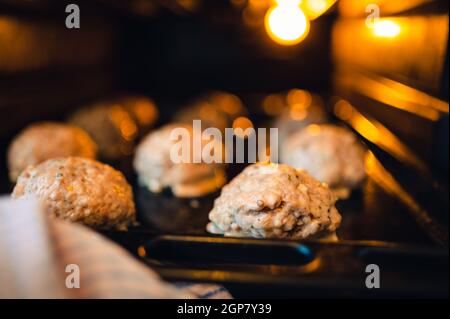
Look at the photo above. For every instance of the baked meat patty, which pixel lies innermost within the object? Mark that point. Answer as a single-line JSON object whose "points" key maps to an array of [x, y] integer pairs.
{"points": [[42, 141], [80, 190], [330, 153], [274, 200], [157, 171]]}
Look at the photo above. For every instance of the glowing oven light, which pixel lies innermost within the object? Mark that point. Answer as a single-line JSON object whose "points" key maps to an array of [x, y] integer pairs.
{"points": [[386, 29], [315, 8], [286, 23]]}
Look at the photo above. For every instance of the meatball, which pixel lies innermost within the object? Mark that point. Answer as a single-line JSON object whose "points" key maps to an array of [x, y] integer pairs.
{"points": [[116, 124], [330, 153], [46, 140], [80, 190], [157, 171], [274, 200]]}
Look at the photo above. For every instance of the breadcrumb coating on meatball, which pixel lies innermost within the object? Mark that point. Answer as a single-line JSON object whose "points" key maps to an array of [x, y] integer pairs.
{"points": [[45, 140], [80, 190], [274, 200]]}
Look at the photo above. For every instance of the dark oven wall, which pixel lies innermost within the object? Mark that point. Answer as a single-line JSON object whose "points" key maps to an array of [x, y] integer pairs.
{"points": [[46, 70], [149, 47]]}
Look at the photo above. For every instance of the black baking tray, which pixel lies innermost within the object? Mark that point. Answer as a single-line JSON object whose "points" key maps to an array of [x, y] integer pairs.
{"points": [[377, 229], [408, 241]]}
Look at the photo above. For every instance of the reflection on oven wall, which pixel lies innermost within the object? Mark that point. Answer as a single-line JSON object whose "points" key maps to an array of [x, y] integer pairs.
{"points": [[396, 70]]}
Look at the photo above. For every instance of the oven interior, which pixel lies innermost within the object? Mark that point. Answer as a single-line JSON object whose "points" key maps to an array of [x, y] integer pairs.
{"points": [[391, 91]]}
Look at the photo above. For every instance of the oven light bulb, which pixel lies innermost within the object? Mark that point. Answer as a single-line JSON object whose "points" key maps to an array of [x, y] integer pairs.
{"points": [[286, 23], [386, 29]]}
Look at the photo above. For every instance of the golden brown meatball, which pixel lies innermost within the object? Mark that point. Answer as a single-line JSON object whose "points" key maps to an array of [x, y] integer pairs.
{"points": [[45, 140], [80, 190], [156, 170], [274, 200]]}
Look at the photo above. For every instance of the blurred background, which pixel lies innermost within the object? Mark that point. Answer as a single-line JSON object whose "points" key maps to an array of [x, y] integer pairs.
{"points": [[393, 69], [379, 67]]}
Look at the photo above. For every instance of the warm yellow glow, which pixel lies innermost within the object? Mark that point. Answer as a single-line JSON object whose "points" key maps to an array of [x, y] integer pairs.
{"points": [[128, 129], [145, 111], [343, 110], [386, 29], [209, 113], [227, 102], [260, 4], [242, 122], [383, 178], [315, 8], [378, 134], [273, 104], [401, 96], [316, 5], [252, 18], [298, 114], [123, 122], [286, 23], [141, 251], [314, 129], [297, 96], [253, 13], [288, 2]]}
